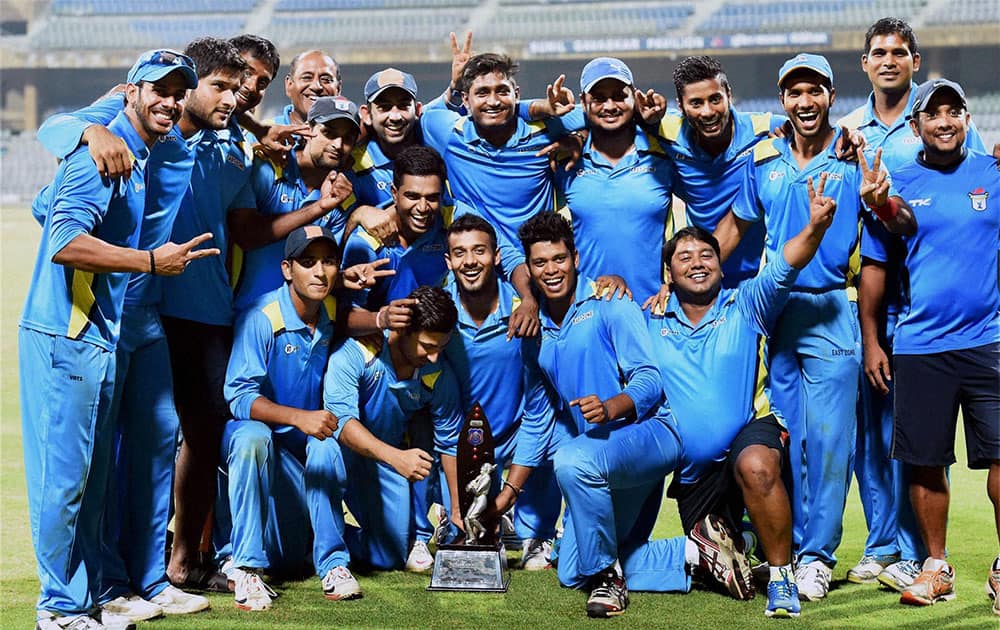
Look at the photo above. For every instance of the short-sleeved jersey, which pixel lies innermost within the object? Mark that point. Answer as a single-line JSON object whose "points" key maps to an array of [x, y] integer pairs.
{"points": [[277, 356], [220, 182], [171, 159], [620, 213], [361, 386], [715, 372], [601, 348], [70, 302], [502, 376], [422, 263], [775, 190], [278, 189], [507, 184], [708, 184], [950, 297]]}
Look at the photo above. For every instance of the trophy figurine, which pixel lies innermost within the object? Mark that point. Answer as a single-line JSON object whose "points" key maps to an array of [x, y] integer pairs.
{"points": [[480, 563]]}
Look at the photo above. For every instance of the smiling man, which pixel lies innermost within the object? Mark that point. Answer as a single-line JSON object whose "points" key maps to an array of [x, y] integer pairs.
{"points": [[311, 74], [814, 351]]}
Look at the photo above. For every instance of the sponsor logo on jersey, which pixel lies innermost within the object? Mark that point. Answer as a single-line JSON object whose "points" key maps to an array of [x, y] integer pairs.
{"points": [[236, 161], [582, 317], [843, 352], [585, 171], [926, 201], [978, 198], [291, 348], [773, 175], [666, 332], [382, 186], [642, 169], [836, 177]]}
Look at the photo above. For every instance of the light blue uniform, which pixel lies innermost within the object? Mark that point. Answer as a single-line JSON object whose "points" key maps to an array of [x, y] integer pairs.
{"points": [[884, 490], [620, 213], [281, 480], [277, 189], [361, 386], [68, 332], [815, 350], [506, 185], [708, 185], [611, 475], [143, 408], [519, 412]]}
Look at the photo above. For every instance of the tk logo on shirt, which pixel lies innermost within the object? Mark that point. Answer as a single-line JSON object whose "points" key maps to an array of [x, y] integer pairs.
{"points": [[978, 198]]}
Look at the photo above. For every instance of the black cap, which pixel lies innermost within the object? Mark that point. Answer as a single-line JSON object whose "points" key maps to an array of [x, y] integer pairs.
{"points": [[329, 108], [298, 240], [928, 89]]}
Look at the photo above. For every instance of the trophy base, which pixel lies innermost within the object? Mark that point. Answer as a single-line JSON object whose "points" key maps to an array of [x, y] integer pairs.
{"points": [[470, 568]]}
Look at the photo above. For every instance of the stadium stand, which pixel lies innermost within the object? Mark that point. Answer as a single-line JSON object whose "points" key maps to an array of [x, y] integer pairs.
{"points": [[518, 23], [386, 27], [354, 5], [839, 15], [147, 7], [970, 12], [130, 33]]}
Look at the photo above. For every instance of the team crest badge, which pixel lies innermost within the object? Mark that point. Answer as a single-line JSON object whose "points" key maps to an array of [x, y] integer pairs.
{"points": [[475, 437], [978, 197]]}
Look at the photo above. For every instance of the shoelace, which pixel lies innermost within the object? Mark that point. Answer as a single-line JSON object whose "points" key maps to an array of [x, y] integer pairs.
{"points": [[782, 589], [256, 583]]}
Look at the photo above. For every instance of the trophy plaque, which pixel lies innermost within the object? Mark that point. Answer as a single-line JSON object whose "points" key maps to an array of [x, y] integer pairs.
{"points": [[480, 562]]}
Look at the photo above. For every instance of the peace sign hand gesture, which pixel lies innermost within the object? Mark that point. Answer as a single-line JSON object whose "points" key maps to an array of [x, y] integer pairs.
{"points": [[874, 181], [821, 209]]}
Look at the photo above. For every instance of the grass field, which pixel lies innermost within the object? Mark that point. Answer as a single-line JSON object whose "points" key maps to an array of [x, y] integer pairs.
{"points": [[398, 600]]}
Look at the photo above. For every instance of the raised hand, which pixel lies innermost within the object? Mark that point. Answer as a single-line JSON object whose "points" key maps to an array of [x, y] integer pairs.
{"points": [[334, 190], [821, 209], [874, 181], [365, 275], [651, 106], [559, 98], [459, 57], [170, 259]]}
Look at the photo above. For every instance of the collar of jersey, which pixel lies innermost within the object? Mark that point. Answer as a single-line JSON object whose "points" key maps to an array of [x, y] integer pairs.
{"points": [[640, 144], [470, 135], [585, 290], [291, 318], [674, 310], [507, 301], [870, 118]]}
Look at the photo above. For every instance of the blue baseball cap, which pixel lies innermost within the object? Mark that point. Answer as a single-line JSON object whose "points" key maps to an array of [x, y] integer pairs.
{"points": [[389, 78], [807, 61], [604, 68], [153, 65], [300, 238], [329, 108], [928, 89]]}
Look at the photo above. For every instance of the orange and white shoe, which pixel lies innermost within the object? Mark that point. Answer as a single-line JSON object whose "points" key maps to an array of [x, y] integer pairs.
{"points": [[993, 586], [932, 585]]}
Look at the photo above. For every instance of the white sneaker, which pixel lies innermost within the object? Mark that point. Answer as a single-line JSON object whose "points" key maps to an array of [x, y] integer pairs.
{"points": [[132, 607], [339, 584], [867, 570], [899, 575], [251, 592], [174, 601], [535, 554], [813, 580], [420, 558], [73, 622], [110, 621]]}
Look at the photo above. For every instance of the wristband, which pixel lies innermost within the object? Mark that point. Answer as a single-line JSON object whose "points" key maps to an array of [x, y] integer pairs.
{"points": [[517, 491], [887, 211], [377, 315], [152, 263]]}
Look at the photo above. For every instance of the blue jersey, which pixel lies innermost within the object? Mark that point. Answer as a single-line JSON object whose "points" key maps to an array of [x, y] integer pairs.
{"points": [[277, 356], [951, 300], [708, 184], [487, 367], [602, 348], [169, 174], [620, 213], [507, 184], [715, 372], [220, 182], [277, 189], [422, 263], [78, 304], [361, 386], [774, 189]]}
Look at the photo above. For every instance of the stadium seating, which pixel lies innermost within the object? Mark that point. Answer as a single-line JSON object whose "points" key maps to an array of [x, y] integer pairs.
{"points": [[751, 17], [25, 167], [970, 12], [130, 34], [349, 5], [355, 27], [148, 7], [519, 23]]}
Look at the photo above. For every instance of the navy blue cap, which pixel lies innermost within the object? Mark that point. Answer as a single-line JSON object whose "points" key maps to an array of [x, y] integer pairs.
{"points": [[329, 108], [389, 78], [927, 89], [300, 238]]}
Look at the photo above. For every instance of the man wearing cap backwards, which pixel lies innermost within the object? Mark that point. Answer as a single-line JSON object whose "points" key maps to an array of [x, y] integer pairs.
{"points": [[309, 187], [285, 470], [373, 389], [947, 340], [89, 247], [618, 194], [814, 351], [893, 551]]}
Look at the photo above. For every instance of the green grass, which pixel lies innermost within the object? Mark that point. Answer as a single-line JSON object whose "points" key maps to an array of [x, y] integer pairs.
{"points": [[535, 600]]}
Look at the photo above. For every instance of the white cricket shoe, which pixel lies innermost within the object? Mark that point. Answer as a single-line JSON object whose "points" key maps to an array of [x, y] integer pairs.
{"points": [[132, 607], [73, 622], [813, 580], [420, 558], [339, 585], [899, 575], [174, 601], [535, 554], [867, 570], [252, 593]]}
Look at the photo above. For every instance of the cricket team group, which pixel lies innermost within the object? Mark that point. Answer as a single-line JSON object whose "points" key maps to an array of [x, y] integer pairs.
{"points": [[315, 302]]}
